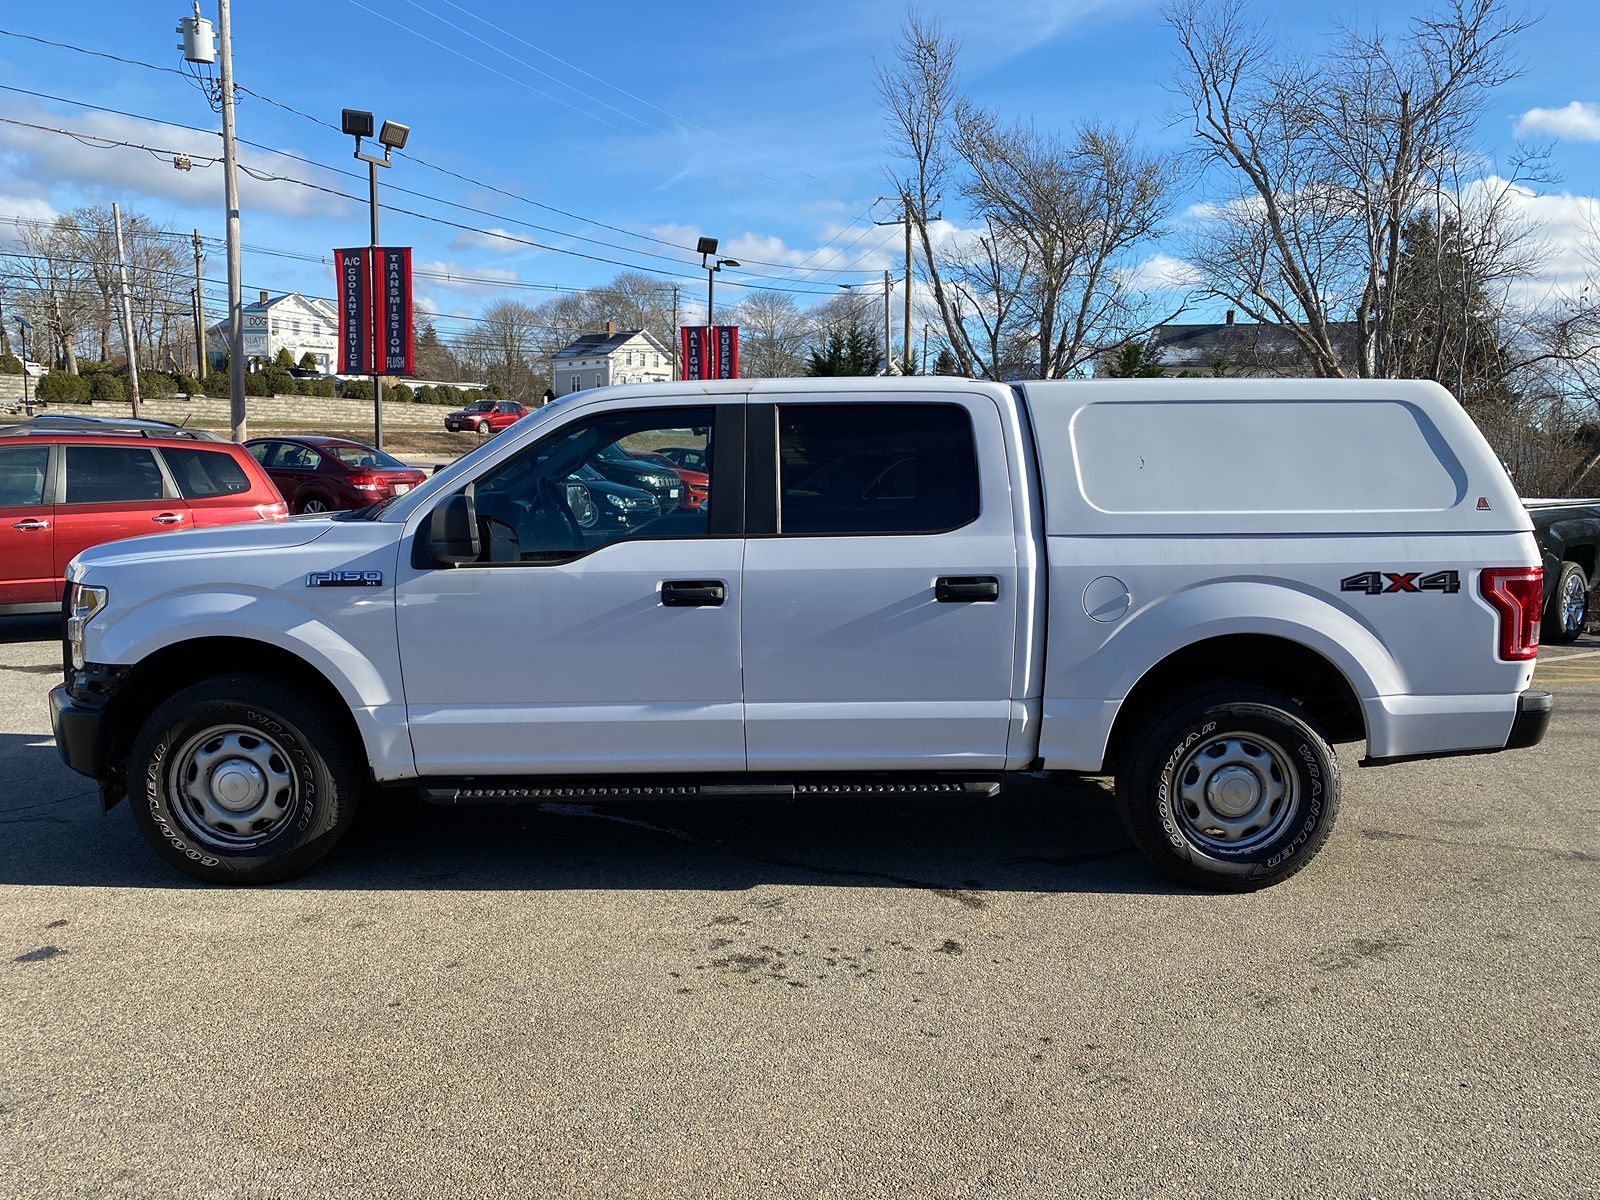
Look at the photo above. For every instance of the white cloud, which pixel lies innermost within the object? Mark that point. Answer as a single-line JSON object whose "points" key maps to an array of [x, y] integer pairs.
{"points": [[123, 171], [1567, 229], [1577, 122], [1164, 273], [29, 208]]}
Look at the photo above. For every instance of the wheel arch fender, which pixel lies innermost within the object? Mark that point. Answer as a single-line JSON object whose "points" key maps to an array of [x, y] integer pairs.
{"points": [[1250, 631]]}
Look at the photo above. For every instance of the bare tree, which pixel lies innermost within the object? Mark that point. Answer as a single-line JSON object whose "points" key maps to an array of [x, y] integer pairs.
{"points": [[1322, 164], [772, 336], [1072, 212], [919, 96], [504, 345], [1063, 218]]}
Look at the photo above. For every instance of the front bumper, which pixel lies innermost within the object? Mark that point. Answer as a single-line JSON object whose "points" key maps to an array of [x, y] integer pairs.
{"points": [[78, 728]]}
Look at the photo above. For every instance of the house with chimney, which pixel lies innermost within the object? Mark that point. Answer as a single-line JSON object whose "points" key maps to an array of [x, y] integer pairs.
{"points": [[1233, 348], [615, 356], [299, 324]]}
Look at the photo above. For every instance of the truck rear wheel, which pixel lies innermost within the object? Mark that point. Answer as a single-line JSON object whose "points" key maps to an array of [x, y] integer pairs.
{"points": [[1568, 609], [241, 779], [1233, 789]]}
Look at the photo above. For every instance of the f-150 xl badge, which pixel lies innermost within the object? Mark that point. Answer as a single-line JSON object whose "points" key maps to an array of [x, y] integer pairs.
{"points": [[1375, 583], [345, 579]]}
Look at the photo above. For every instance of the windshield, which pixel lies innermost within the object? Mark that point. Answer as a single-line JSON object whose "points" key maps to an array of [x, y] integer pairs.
{"points": [[353, 455]]}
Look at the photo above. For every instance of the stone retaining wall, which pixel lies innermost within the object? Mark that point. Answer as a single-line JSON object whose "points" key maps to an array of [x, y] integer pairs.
{"points": [[277, 412]]}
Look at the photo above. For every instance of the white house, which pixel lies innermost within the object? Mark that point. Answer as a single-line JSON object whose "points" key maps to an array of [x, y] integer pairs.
{"points": [[615, 356], [292, 322]]}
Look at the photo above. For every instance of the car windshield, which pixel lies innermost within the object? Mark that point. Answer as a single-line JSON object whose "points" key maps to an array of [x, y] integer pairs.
{"points": [[353, 455], [481, 406]]}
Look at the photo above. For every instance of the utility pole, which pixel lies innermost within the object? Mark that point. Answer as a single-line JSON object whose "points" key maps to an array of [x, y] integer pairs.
{"points": [[199, 316], [127, 311], [905, 218], [924, 363], [888, 344], [676, 336], [230, 184]]}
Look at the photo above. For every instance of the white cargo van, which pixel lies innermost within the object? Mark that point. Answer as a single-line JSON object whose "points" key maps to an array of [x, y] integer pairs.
{"points": [[884, 585]]}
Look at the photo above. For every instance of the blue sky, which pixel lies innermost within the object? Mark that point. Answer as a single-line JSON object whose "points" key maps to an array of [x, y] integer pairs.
{"points": [[756, 123]]}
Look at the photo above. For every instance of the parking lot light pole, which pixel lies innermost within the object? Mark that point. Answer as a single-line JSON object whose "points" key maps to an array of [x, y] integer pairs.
{"points": [[22, 328], [708, 250], [392, 136]]}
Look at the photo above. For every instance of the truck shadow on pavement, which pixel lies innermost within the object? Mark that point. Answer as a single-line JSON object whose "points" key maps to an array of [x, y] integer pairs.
{"points": [[44, 627], [1037, 836]]}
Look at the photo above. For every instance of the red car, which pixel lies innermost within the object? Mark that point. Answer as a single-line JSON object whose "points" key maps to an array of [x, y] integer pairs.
{"points": [[696, 484], [68, 483], [485, 416], [325, 474]]}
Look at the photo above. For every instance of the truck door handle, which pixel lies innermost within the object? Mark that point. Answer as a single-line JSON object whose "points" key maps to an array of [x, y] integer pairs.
{"points": [[31, 524], [962, 589], [166, 518], [684, 593]]}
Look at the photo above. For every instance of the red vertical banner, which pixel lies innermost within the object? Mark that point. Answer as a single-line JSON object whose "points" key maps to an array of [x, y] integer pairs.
{"points": [[727, 352], [395, 350], [694, 359], [354, 271]]}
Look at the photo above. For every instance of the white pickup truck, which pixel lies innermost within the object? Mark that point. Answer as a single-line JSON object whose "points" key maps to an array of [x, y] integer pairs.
{"points": [[871, 587]]}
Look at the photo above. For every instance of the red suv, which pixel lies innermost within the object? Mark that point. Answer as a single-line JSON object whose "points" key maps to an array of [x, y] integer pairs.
{"points": [[323, 474], [486, 416], [68, 483]]}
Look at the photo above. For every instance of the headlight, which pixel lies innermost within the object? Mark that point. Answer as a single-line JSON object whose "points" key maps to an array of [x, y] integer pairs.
{"points": [[85, 602]]}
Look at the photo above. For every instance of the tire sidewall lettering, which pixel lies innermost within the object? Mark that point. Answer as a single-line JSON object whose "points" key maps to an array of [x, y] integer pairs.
{"points": [[1291, 844]]}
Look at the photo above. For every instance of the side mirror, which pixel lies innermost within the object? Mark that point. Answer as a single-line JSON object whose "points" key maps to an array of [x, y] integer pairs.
{"points": [[453, 530]]}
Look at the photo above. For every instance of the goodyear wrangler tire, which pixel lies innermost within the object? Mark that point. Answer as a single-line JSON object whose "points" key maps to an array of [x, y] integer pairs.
{"points": [[1233, 789], [240, 779]]}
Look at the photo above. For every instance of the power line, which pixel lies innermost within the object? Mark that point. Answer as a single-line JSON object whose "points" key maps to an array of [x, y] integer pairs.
{"points": [[265, 176], [262, 176], [483, 66], [788, 269], [525, 63]]}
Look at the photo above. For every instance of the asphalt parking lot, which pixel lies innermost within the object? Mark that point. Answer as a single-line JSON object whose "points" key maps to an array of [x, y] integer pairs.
{"points": [[945, 999]]}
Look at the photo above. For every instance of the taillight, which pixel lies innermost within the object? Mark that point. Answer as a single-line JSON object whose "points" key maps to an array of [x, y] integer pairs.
{"points": [[273, 512], [1517, 596], [369, 483]]}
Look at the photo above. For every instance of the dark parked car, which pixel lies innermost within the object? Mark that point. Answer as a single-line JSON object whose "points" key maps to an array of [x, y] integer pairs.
{"points": [[662, 482], [324, 474], [604, 509], [485, 416], [696, 483], [1568, 532]]}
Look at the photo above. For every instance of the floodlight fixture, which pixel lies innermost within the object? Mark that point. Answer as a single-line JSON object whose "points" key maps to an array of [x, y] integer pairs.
{"points": [[355, 122], [706, 246], [393, 134]]}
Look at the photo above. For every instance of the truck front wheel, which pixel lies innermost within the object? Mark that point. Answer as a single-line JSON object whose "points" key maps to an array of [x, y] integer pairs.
{"points": [[240, 779], [1233, 789]]}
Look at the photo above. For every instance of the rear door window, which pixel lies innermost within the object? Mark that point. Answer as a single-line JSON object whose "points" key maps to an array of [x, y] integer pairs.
{"points": [[22, 475], [112, 474], [206, 474], [875, 469], [291, 456]]}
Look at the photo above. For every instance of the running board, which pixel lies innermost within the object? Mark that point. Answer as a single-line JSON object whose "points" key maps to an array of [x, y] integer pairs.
{"points": [[531, 791]]}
